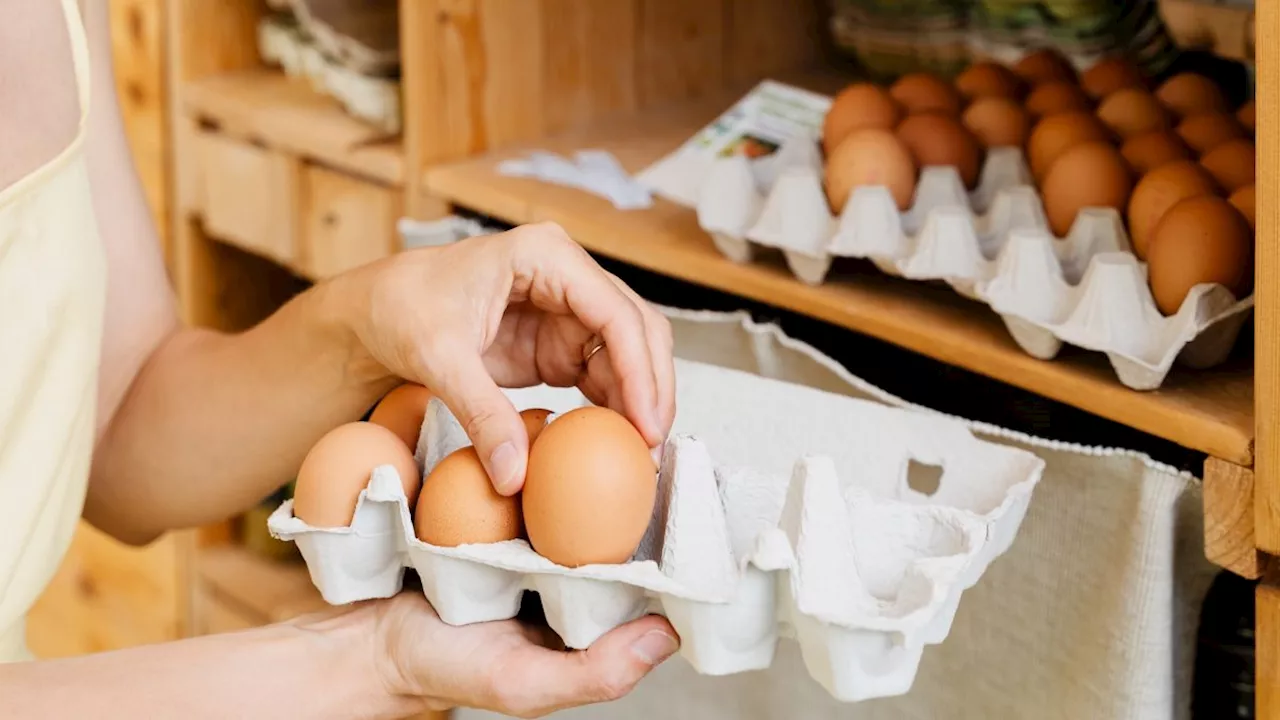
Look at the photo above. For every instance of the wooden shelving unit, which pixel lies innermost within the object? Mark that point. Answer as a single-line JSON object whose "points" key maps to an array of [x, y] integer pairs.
{"points": [[1207, 411], [235, 589], [275, 185]]}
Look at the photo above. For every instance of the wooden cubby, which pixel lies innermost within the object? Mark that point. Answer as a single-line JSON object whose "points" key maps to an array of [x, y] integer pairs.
{"points": [[268, 166]]}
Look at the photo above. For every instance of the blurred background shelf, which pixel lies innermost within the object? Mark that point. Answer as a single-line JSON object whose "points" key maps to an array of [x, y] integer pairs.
{"points": [[264, 106], [236, 588], [1207, 411]]}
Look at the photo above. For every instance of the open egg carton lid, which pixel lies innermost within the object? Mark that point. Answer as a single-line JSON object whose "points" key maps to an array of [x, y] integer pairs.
{"points": [[992, 244], [813, 532]]}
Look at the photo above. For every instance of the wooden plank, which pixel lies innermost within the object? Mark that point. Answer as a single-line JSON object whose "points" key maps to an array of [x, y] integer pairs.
{"points": [[1229, 540], [681, 51], [1267, 644], [250, 196], [765, 37], [512, 92], [107, 596], [415, 102], [589, 61], [266, 590], [476, 78], [286, 114], [346, 222], [1267, 282], [211, 38], [137, 49], [1210, 411]]}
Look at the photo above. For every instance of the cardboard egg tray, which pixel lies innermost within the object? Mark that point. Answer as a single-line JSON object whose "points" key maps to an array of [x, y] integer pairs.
{"points": [[813, 532], [993, 244]]}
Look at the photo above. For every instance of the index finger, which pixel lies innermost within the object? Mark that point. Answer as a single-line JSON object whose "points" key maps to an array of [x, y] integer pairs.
{"points": [[562, 277]]}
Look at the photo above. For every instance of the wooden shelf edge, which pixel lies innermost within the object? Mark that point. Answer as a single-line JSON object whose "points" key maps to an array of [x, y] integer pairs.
{"points": [[1209, 411], [270, 591], [265, 106]]}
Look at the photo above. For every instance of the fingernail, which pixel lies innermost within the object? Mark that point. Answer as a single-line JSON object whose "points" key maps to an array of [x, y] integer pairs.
{"points": [[505, 465], [654, 646]]}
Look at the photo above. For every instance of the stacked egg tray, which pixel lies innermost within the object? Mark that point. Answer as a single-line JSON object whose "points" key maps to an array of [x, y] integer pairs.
{"points": [[814, 533], [993, 245]]}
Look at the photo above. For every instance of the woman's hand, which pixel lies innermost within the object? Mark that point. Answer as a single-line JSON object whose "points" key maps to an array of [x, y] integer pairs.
{"points": [[507, 666], [513, 310]]}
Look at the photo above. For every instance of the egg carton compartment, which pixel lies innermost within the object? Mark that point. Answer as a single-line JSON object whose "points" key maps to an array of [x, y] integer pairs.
{"points": [[992, 245], [812, 532]]}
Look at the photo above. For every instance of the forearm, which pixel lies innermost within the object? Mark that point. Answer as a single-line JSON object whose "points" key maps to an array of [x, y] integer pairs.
{"points": [[320, 666], [215, 422]]}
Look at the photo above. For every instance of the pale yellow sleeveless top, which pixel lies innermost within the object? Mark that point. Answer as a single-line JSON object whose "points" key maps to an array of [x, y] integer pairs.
{"points": [[52, 295]]}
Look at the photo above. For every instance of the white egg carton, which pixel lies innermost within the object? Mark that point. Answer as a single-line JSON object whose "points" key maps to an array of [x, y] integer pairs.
{"points": [[992, 244], [813, 533]]}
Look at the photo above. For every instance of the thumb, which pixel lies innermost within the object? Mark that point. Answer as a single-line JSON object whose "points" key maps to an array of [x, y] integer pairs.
{"points": [[489, 418], [547, 680]]}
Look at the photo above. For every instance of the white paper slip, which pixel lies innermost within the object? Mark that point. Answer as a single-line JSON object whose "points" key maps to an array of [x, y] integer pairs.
{"points": [[594, 171]]}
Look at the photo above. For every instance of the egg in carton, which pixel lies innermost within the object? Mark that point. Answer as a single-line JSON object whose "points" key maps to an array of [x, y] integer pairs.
{"points": [[992, 245], [813, 533]]}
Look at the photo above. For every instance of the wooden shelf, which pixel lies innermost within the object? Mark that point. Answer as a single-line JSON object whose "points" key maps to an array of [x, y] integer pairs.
{"points": [[1208, 411], [286, 114], [266, 591]]}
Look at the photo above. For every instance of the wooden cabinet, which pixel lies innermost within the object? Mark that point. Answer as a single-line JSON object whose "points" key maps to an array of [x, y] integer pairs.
{"points": [[248, 195], [346, 222]]}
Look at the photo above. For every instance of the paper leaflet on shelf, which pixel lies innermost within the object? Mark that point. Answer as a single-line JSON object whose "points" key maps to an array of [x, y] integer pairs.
{"points": [[755, 128], [594, 171]]}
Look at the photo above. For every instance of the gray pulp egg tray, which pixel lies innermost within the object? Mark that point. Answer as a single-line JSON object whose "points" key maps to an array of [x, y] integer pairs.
{"points": [[992, 245], [813, 533]]}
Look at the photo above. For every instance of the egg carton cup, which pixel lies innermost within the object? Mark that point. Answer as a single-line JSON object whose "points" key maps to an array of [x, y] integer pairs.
{"points": [[992, 245], [842, 556]]}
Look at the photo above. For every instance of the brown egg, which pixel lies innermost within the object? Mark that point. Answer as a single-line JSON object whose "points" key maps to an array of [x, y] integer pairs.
{"points": [[1150, 150], [402, 411], [989, 79], [338, 468], [1056, 134], [934, 139], [458, 505], [1133, 111], [857, 107], [1191, 94], [1202, 239], [1232, 164], [590, 489], [1245, 202], [1247, 115], [925, 92], [997, 122], [534, 420], [1160, 190], [870, 157], [1055, 97], [1207, 131], [1090, 175], [1109, 75], [1044, 66]]}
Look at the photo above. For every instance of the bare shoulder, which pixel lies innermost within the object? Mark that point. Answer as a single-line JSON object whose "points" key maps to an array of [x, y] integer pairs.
{"points": [[39, 105]]}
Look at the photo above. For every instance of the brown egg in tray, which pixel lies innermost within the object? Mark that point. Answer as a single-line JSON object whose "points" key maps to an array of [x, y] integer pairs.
{"points": [[1045, 193]]}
